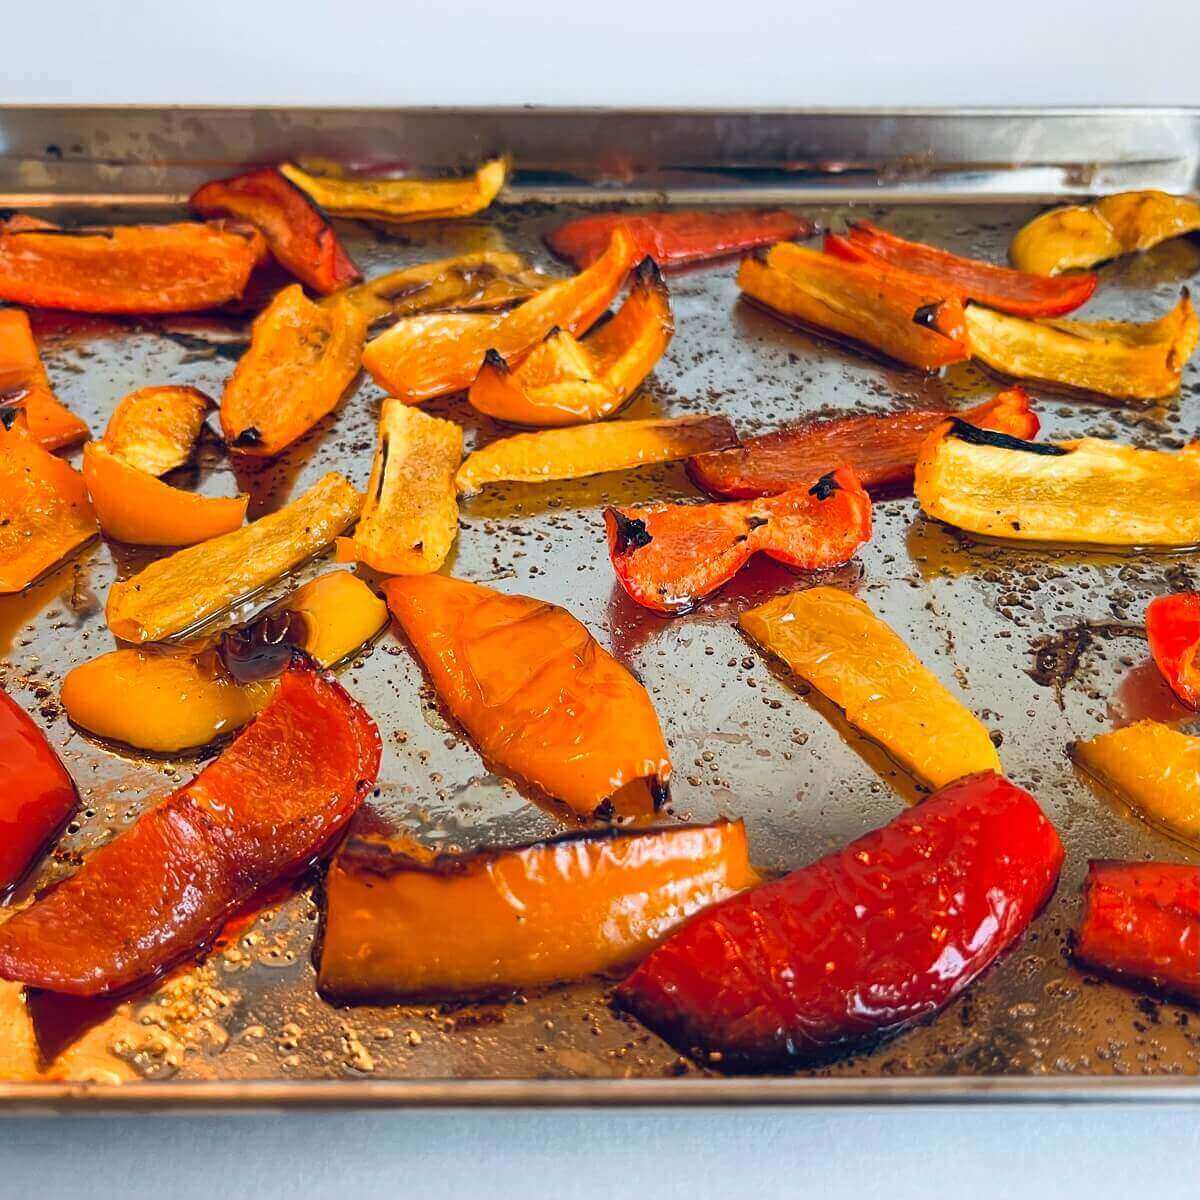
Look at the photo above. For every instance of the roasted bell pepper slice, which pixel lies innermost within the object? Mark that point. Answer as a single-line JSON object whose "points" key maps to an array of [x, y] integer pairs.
{"points": [[398, 201], [910, 318], [538, 696], [301, 359], [167, 702], [161, 891], [1082, 235], [126, 268], [1122, 359], [155, 429], [1091, 491], [833, 641], [668, 557], [1154, 769], [1018, 292], [24, 385], [565, 381], [881, 447], [299, 237], [483, 280], [402, 928], [676, 239], [189, 586], [132, 506], [410, 517], [1173, 631], [37, 795], [592, 449], [427, 356], [1141, 925], [45, 513], [859, 945]]}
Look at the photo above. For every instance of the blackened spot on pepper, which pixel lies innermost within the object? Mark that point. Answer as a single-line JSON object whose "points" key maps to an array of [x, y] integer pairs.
{"points": [[631, 531], [926, 316], [753, 523], [250, 436], [660, 792], [966, 432], [263, 649], [825, 486], [8, 416]]}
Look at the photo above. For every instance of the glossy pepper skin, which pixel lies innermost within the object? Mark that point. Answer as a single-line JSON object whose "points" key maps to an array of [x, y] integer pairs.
{"points": [[1141, 925], [36, 793], [860, 944], [1173, 630]]}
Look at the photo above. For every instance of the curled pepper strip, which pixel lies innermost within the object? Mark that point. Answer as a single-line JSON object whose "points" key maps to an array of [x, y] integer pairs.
{"points": [[1122, 359], [126, 268], [24, 385], [668, 557], [302, 358], [401, 928], [910, 318], [861, 944], [155, 429], [538, 696], [299, 237], [564, 381], [161, 891], [1173, 630]]}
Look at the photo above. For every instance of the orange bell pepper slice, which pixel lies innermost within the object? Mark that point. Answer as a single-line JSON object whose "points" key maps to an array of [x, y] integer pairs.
{"points": [[403, 928], [399, 201], [299, 237], [132, 506], [276, 800], [583, 450], [302, 358], [25, 385], [155, 429], [564, 381], [184, 589], [126, 268], [535, 692], [910, 318], [45, 513], [427, 356], [668, 557], [1123, 359], [410, 518]]}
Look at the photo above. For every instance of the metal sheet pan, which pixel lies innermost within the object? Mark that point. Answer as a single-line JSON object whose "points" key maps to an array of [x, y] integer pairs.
{"points": [[1043, 644]]}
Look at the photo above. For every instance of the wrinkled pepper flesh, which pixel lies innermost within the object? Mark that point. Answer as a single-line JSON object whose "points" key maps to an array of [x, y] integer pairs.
{"points": [[542, 701], [1173, 631], [161, 891], [859, 945], [191, 585], [834, 642], [881, 447], [668, 557], [155, 429], [405, 928], [302, 358], [564, 381], [1090, 491], [37, 795], [25, 386]]}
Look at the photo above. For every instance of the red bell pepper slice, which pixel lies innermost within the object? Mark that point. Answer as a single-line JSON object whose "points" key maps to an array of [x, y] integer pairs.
{"points": [[273, 802], [882, 448], [1010, 291], [298, 235], [36, 793], [668, 557], [863, 943], [1141, 924], [675, 239], [1173, 629]]}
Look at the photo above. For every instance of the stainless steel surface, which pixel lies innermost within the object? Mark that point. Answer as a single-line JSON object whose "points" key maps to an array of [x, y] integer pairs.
{"points": [[1043, 644]]}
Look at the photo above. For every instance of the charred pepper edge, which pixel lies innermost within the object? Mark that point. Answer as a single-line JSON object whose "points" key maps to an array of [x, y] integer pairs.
{"points": [[976, 436], [631, 531]]}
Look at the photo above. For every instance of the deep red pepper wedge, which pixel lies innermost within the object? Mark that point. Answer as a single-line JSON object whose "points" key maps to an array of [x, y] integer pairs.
{"points": [[668, 557], [860, 944], [1173, 630], [882, 448], [675, 239], [161, 891], [299, 236], [36, 793], [1010, 291], [1141, 925]]}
